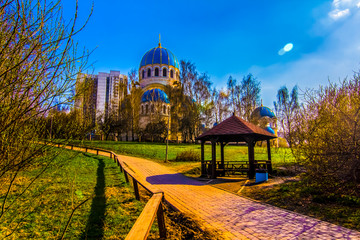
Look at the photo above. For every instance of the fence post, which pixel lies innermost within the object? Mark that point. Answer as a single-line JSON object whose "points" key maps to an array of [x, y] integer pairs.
{"points": [[136, 189], [161, 222], [85, 149], [126, 177], [97, 151], [72, 147], [121, 168]]}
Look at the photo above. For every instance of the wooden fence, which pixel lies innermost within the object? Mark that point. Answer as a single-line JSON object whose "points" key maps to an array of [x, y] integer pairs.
{"points": [[154, 207]]}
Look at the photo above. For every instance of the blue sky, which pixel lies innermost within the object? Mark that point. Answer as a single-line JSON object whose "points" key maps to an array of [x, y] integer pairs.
{"points": [[228, 37]]}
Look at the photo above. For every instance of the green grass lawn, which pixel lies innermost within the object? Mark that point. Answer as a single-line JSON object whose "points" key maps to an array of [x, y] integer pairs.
{"points": [[43, 212], [156, 151]]}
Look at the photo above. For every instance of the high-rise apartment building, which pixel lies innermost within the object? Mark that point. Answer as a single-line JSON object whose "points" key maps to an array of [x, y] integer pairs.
{"points": [[100, 94]]}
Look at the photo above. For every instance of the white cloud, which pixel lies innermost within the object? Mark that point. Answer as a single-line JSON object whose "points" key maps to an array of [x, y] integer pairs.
{"points": [[337, 14], [337, 58], [343, 8]]}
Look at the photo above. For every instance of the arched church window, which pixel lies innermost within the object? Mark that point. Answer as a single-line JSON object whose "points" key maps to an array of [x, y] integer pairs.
{"points": [[164, 72], [146, 109], [142, 109], [156, 72], [171, 73], [149, 72], [152, 108], [164, 109], [143, 73]]}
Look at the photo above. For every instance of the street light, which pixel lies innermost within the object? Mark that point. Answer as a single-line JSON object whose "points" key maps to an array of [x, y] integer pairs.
{"points": [[167, 137]]}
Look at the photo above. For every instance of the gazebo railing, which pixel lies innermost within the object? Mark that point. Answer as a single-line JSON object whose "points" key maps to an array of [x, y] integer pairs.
{"points": [[236, 167]]}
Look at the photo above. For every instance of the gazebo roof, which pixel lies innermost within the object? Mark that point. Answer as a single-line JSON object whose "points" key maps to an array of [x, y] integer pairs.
{"points": [[235, 129]]}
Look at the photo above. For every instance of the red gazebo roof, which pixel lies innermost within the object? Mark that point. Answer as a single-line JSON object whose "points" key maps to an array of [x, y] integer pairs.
{"points": [[235, 129]]}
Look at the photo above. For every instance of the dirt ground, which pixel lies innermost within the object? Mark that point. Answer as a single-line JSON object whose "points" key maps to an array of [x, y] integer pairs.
{"points": [[239, 184]]}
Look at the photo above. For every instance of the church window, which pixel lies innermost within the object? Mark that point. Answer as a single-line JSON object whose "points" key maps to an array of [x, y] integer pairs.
{"points": [[172, 73], [142, 109], [149, 72], [156, 72], [164, 109], [152, 108], [147, 109], [143, 73], [164, 72]]}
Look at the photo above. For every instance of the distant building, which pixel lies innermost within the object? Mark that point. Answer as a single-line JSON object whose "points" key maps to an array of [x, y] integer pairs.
{"points": [[104, 93], [265, 118]]}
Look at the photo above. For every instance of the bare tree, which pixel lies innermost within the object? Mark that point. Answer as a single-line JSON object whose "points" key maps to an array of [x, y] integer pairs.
{"points": [[232, 92], [190, 100], [38, 65], [249, 91], [133, 107], [221, 105], [287, 108]]}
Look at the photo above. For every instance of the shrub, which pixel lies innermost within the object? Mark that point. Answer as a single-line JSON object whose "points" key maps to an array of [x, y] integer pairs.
{"points": [[187, 156], [328, 135]]}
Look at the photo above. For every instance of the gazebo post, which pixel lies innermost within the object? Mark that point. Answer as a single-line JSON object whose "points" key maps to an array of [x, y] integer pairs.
{"points": [[203, 165], [251, 154], [269, 165], [213, 159], [222, 166]]}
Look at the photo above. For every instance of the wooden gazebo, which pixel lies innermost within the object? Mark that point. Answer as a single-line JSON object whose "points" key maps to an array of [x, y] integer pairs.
{"points": [[234, 129]]}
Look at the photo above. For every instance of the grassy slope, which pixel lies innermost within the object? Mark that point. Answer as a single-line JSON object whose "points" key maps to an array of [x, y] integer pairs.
{"points": [[110, 211]]}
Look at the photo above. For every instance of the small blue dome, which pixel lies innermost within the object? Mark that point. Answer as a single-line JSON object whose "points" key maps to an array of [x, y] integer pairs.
{"points": [[261, 112], [270, 130], [159, 55], [154, 95]]}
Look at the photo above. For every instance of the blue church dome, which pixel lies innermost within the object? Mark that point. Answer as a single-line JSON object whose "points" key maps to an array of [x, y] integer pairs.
{"points": [[261, 112], [270, 130], [159, 55], [154, 95]]}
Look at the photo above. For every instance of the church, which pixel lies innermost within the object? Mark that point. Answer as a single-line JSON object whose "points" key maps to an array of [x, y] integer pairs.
{"points": [[158, 71]]}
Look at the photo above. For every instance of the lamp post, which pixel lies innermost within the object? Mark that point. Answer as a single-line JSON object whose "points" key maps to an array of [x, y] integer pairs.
{"points": [[167, 136]]}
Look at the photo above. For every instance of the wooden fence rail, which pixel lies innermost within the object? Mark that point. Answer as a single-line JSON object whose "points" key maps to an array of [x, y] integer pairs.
{"points": [[154, 207]]}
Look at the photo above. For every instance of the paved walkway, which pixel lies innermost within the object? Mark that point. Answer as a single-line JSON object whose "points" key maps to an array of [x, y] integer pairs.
{"points": [[236, 217]]}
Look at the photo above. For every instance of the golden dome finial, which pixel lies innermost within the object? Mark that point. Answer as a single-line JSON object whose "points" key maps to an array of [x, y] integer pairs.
{"points": [[159, 40], [261, 103]]}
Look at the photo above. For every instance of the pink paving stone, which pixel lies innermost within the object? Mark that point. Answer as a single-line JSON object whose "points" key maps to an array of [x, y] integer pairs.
{"points": [[241, 217]]}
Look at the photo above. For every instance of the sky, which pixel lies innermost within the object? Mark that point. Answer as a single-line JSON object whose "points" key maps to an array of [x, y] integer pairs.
{"points": [[282, 43]]}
